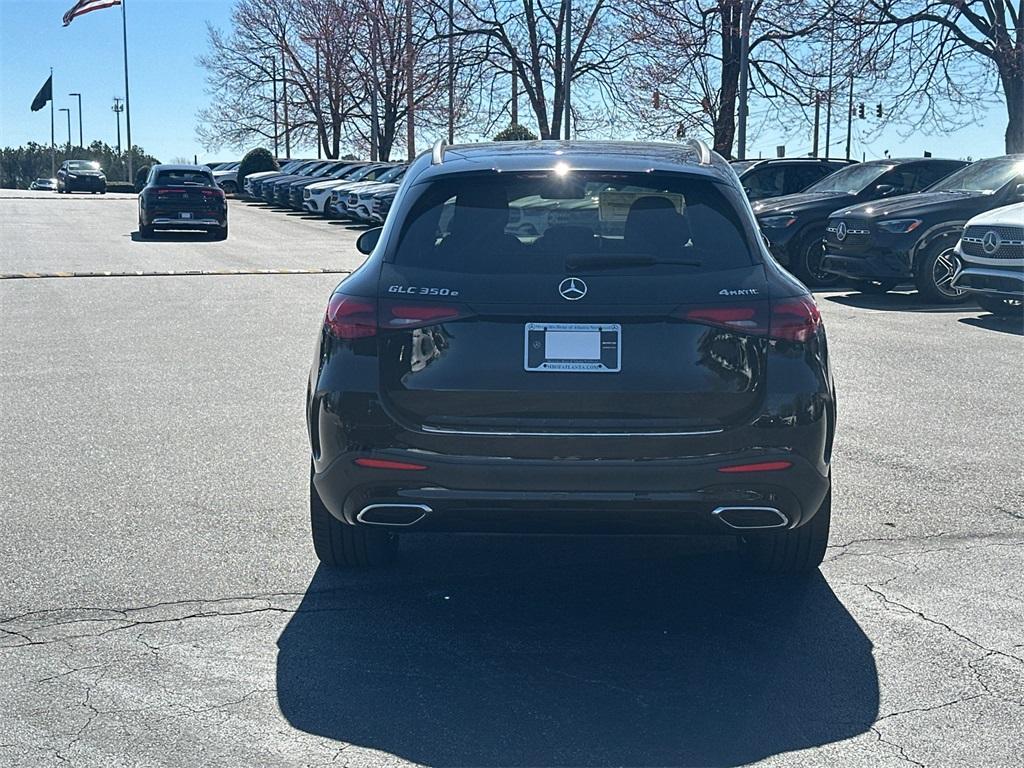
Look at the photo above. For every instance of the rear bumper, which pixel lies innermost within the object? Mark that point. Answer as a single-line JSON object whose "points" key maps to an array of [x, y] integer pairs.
{"points": [[587, 496], [876, 265]]}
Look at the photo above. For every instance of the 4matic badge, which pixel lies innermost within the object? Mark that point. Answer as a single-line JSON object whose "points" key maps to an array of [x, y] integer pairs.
{"points": [[738, 292]]}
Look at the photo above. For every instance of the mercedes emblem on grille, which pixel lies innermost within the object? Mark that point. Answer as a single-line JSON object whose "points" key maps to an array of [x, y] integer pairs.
{"points": [[572, 289], [841, 231], [991, 241]]}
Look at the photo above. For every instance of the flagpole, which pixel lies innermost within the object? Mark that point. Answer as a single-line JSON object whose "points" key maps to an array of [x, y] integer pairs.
{"points": [[127, 98], [53, 140]]}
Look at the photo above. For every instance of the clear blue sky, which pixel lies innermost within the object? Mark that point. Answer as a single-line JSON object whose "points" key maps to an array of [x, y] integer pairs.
{"points": [[166, 36]]}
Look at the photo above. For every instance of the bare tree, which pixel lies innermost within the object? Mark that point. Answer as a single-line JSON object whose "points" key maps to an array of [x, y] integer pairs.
{"points": [[944, 61], [526, 42], [685, 67], [275, 44]]}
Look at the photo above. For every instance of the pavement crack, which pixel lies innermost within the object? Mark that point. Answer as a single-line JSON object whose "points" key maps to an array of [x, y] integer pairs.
{"points": [[932, 708], [899, 748], [888, 601]]}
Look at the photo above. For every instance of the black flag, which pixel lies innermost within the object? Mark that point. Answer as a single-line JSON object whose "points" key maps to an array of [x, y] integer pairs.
{"points": [[45, 94]]}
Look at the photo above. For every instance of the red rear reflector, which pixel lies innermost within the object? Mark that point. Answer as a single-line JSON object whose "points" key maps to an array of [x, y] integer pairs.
{"points": [[748, 318], [764, 466], [796, 319], [385, 464], [349, 317]]}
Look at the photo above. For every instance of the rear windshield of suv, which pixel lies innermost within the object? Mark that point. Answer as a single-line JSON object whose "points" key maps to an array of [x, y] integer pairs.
{"points": [[513, 223], [170, 178]]}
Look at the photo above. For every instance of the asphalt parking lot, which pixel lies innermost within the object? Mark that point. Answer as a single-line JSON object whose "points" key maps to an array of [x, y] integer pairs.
{"points": [[160, 603]]}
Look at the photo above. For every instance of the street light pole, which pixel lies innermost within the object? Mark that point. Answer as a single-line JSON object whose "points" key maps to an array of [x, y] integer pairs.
{"points": [[568, 67], [118, 108], [81, 141], [374, 127], [65, 109], [741, 128], [451, 71], [316, 113], [273, 79], [284, 101]]}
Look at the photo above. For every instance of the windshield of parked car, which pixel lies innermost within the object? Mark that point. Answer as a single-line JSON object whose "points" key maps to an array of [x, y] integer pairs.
{"points": [[546, 222], [165, 178], [392, 174], [83, 165], [741, 165], [849, 180], [343, 171], [363, 172], [985, 176]]}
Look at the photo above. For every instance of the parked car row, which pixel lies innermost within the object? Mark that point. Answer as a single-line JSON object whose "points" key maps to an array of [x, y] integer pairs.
{"points": [[357, 190], [884, 222]]}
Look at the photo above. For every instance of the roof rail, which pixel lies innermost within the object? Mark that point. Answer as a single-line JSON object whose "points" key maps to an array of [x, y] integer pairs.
{"points": [[437, 156], [703, 153]]}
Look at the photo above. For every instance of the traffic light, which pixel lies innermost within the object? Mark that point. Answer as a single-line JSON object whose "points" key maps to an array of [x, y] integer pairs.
{"points": [[878, 110], [657, 100], [860, 111]]}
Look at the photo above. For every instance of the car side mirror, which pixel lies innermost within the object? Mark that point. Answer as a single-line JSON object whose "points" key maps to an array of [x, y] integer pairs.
{"points": [[1020, 190], [885, 189], [368, 240]]}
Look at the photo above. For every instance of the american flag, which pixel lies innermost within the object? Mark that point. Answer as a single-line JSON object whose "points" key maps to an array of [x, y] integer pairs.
{"points": [[85, 6]]}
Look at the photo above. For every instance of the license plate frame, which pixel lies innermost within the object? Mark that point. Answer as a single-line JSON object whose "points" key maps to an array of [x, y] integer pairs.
{"points": [[552, 348]]}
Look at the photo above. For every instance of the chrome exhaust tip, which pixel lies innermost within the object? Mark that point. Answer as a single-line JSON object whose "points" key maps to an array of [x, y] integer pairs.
{"points": [[751, 518], [393, 514]]}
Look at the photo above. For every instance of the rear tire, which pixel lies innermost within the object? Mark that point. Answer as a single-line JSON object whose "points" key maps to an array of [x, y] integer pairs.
{"points": [[145, 232], [347, 546], [797, 551], [229, 187], [934, 274], [1011, 308]]}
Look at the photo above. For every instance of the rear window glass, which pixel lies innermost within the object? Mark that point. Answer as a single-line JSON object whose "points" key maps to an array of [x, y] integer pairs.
{"points": [[184, 177], [543, 222]]}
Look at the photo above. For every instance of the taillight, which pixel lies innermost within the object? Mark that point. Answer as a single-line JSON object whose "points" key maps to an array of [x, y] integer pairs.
{"points": [[213, 193], [350, 317], [749, 318], [397, 315], [796, 319]]}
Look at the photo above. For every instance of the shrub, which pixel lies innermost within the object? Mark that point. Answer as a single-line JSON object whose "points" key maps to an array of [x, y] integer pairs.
{"points": [[140, 177], [120, 186], [516, 132], [255, 161]]}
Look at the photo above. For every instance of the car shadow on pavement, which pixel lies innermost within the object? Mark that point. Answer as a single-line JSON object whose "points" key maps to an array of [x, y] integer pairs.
{"points": [[517, 651], [897, 302], [1012, 325]]}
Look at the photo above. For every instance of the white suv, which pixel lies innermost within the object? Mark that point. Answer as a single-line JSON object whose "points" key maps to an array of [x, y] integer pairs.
{"points": [[991, 253]]}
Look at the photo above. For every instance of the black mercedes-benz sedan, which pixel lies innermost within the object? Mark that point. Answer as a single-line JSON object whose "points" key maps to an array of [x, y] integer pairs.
{"points": [[639, 364], [182, 197]]}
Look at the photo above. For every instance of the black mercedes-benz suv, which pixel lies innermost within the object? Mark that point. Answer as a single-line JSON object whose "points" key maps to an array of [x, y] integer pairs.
{"points": [[913, 237], [639, 365], [795, 224]]}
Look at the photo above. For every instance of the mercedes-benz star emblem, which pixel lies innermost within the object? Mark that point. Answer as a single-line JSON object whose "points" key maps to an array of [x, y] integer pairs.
{"points": [[841, 231], [572, 289], [991, 241]]}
